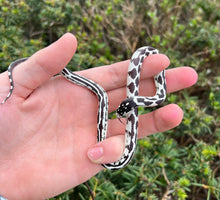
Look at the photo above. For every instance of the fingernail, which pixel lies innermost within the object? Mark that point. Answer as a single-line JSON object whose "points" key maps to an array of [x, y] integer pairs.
{"points": [[95, 153]]}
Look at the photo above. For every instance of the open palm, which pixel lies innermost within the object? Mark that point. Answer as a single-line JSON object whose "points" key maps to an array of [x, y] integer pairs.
{"points": [[49, 125]]}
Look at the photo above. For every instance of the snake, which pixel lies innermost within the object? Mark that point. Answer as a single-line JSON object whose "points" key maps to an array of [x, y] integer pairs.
{"points": [[128, 108]]}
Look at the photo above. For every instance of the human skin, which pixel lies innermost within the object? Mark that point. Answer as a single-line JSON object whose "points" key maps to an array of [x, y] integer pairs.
{"points": [[49, 128]]}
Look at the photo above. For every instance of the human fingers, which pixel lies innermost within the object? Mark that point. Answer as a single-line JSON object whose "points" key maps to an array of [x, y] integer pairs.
{"points": [[41, 66], [107, 151], [111, 149], [177, 79], [114, 76], [160, 120]]}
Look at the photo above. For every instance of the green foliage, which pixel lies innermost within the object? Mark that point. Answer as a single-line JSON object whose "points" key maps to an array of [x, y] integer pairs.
{"points": [[180, 164]]}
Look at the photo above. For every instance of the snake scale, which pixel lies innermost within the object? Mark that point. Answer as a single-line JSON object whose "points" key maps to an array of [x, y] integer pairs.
{"points": [[128, 108]]}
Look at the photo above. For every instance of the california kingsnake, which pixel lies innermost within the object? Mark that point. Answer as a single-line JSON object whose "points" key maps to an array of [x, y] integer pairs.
{"points": [[128, 108]]}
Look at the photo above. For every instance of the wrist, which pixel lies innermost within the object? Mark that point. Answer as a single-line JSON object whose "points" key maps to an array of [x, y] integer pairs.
{"points": [[2, 198], [8, 188]]}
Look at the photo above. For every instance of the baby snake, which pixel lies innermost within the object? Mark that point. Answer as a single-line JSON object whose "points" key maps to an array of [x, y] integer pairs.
{"points": [[128, 108]]}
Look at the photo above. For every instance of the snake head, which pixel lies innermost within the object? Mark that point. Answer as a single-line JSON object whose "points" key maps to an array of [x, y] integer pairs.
{"points": [[125, 107]]}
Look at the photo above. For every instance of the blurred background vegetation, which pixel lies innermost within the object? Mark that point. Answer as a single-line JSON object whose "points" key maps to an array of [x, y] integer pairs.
{"points": [[183, 163]]}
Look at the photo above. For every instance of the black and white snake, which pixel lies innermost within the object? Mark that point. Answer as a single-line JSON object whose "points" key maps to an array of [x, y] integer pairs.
{"points": [[128, 108]]}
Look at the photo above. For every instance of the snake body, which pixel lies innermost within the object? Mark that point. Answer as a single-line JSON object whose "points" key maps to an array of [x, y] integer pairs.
{"points": [[128, 108]]}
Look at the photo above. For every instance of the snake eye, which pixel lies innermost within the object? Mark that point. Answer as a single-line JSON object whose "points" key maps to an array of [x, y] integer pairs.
{"points": [[120, 112]]}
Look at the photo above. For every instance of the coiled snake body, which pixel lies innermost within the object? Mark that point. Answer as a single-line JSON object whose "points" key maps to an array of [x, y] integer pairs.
{"points": [[128, 108]]}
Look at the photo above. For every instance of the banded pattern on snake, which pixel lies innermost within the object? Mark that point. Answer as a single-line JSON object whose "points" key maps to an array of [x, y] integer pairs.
{"points": [[128, 108]]}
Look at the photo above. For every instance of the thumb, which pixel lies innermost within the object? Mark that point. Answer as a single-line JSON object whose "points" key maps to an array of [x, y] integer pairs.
{"points": [[41, 66], [107, 151]]}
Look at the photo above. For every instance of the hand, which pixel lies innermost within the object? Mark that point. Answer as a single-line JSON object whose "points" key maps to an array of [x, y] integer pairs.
{"points": [[48, 126]]}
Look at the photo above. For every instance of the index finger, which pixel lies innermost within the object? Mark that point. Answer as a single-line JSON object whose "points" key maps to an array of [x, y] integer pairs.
{"points": [[114, 76]]}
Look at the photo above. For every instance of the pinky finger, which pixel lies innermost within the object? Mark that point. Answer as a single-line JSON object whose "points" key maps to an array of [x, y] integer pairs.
{"points": [[107, 151]]}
